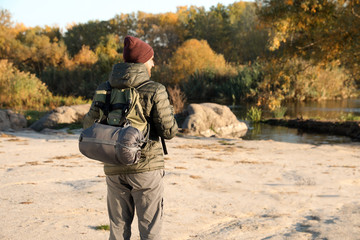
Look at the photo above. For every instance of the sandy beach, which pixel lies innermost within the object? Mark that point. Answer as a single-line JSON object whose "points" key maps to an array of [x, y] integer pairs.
{"points": [[214, 189]]}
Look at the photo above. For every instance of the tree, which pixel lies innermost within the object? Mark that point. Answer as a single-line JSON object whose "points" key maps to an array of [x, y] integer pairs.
{"points": [[230, 30], [88, 34], [194, 55], [323, 31], [38, 52]]}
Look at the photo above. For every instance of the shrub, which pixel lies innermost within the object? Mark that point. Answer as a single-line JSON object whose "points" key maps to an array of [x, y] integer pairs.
{"points": [[212, 86], [254, 114], [297, 79], [279, 112], [20, 90], [24, 91], [177, 98]]}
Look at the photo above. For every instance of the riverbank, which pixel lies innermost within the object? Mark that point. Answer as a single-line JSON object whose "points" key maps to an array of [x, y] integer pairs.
{"points": [[214, 189], [348, 128]]}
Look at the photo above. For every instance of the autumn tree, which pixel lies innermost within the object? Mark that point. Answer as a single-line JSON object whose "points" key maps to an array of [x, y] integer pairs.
{"points": [[322, 31], [85, 57], [194, 55], [38, 52]]}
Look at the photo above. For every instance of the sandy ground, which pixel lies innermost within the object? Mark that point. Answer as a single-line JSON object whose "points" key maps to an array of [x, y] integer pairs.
{"points": [[214, 189]]}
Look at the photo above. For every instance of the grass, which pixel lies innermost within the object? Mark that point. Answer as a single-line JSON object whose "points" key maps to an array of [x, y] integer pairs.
{"points": [[71, 126], [349, 117], [32, 116], [103, 227], [254, 114], [223, 142], [279, 112]]}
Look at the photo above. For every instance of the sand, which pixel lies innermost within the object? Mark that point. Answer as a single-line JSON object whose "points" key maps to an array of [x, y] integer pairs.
{"points": [[214, 189]]}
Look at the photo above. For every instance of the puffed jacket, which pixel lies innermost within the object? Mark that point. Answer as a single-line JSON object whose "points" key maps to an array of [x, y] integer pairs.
{"points": [[157, 110]]}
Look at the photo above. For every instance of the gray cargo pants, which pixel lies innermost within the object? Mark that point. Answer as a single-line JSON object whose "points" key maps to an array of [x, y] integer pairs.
{"points": [[140, 191]]}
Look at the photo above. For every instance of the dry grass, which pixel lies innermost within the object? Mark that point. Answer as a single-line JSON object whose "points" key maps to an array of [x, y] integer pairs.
{"points": [[178, 99], [34, 163], [67, 157], [195, 177], [16, 140], [215, 159], [211, 147], [250, 162], [343, 166], [3, 135], [180, 167]]}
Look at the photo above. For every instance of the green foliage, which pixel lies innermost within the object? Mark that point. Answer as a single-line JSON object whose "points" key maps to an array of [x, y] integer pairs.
{"points": [[19, 90], [23, 91], [210, 86], [279, 112], [89, 34], [230, 30], [254, 114], [349, 117], [103, 227], [33, 115]]}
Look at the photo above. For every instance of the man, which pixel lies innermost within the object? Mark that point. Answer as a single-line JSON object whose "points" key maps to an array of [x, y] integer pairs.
{"points": [[138, 186]]}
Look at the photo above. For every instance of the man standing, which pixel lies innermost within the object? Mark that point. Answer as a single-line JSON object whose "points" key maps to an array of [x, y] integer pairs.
{"points": [[138, 186]]}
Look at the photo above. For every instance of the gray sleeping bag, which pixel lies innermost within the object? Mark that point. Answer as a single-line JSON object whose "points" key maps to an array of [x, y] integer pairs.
{"points": [[110, 144]]}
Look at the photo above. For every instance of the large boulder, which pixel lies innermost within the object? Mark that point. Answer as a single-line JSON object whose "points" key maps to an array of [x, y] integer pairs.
{"points": [[211, 119], [11, 120], [61, 115]]}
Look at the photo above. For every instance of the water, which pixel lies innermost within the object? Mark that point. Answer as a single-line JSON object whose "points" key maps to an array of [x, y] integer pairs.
{"points": [[333, 109]]}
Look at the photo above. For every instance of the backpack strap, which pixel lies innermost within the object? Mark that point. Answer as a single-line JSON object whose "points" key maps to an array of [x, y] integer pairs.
{"points": [[148, 132], [107, 99]]}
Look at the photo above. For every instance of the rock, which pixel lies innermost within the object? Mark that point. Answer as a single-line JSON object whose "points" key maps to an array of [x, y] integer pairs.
{"points": [[11, 120], [209, 119], [61, 115]]}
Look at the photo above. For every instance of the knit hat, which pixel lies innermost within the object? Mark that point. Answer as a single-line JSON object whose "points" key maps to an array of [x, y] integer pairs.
{"points": [[136, 51]]}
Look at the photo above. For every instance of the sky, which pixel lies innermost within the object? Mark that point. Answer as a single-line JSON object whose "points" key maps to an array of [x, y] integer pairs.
{"points": [[49, 12]]}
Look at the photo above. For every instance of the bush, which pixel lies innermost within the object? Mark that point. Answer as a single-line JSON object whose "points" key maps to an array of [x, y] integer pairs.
{"points": [[254, 114], [300, 80], [211, 86], [24, 91], [279, 112], [177, 98], [20, 90]]}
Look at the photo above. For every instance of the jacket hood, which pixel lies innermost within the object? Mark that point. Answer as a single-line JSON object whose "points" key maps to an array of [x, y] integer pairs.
{"points": [[125, 75]]}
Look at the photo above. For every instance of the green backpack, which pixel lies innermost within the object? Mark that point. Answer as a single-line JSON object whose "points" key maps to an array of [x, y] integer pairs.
{"points": [[122, 130], [121, 107]]}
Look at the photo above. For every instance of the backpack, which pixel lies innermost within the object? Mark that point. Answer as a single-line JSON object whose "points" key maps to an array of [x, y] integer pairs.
{"points": [[122, 130]]}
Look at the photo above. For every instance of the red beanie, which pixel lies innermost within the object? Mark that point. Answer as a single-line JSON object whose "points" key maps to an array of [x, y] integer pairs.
{"points": [[136, 51]]}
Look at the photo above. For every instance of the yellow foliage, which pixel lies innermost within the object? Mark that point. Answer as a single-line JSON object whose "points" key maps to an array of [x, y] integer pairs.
{"points": [[85, 57], [195, 55]]}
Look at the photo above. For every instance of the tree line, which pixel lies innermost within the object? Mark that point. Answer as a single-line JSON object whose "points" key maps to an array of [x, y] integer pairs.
{"points": [[266, 51]]}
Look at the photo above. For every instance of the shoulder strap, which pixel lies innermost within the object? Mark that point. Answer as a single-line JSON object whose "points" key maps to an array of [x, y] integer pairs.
{"points": [[107, 99]]}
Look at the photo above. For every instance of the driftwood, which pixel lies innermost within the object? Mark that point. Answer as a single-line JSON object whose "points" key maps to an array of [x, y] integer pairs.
{"points": [[348, 128]]}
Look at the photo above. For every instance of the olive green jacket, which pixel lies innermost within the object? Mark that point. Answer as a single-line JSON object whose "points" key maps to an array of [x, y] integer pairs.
{"points": [[157, 110]]}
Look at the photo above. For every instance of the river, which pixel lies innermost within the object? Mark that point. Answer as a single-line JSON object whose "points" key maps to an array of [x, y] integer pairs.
{"points": [[331, 109]]}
